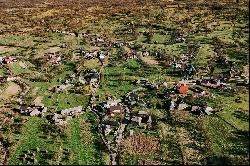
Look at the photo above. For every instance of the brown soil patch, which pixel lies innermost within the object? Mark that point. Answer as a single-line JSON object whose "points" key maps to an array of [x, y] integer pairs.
{"points": [[12, 90], [47, 13], [38, 101], [246, 70], [149, 60], [49, 50], [180, 115], [53, 49], [141, 144]]}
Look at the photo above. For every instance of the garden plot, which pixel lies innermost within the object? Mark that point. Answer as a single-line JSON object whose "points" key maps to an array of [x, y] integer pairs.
{"points": [[140, 147], [19, 68], [12, 90], [149, 60]]}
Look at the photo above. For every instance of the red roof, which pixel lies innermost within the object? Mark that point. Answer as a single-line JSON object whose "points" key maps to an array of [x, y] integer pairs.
{"points": [[7, 60], [183, 89]]}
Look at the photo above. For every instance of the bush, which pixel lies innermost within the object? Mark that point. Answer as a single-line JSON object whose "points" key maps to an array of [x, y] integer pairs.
{"points": [[133, 64]]}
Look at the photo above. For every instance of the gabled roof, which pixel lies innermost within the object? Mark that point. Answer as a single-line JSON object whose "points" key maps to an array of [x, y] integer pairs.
{"points": [[24, 107], [115, 108]]}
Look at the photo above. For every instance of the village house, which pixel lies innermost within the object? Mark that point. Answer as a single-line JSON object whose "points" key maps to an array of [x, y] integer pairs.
{"points": [[32, 110], [142, 81], [210, 82], [182, 88], [113, 107], [176, 103], [53, 59], [82, 80], [131, 98], [142, 118], [101, 56], [72, 111], [198, 110], [8, 60], [59, 120], [63, 45], [92, 76], [182, 106], [65, 115]]}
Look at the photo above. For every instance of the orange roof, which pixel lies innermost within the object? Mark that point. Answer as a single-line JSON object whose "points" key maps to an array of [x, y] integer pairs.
{"points": [[183, 89]]}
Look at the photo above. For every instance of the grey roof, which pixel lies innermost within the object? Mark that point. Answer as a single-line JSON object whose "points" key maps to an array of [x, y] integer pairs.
{"points": [[182, 106]]}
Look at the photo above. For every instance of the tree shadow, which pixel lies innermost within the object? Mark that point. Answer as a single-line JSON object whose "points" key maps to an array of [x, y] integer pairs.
{"points": [[71, 66], [217, 160], [240, 115]]}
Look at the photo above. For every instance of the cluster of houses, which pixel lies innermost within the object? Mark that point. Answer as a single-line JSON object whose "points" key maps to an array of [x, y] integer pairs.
{"points": [[91, 77], [67, 83], [97, 40], [184, 86], [61, 87], [177, 104], [111, 108], [90, 55], [132, 53], [142, 119], [184, 66], [65, 115], [93, 39], [62, 32], [146, 84], [32, 110]]}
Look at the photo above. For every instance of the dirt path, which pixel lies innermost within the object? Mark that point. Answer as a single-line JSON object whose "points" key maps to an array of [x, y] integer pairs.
{"points": [[12, 90]]}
